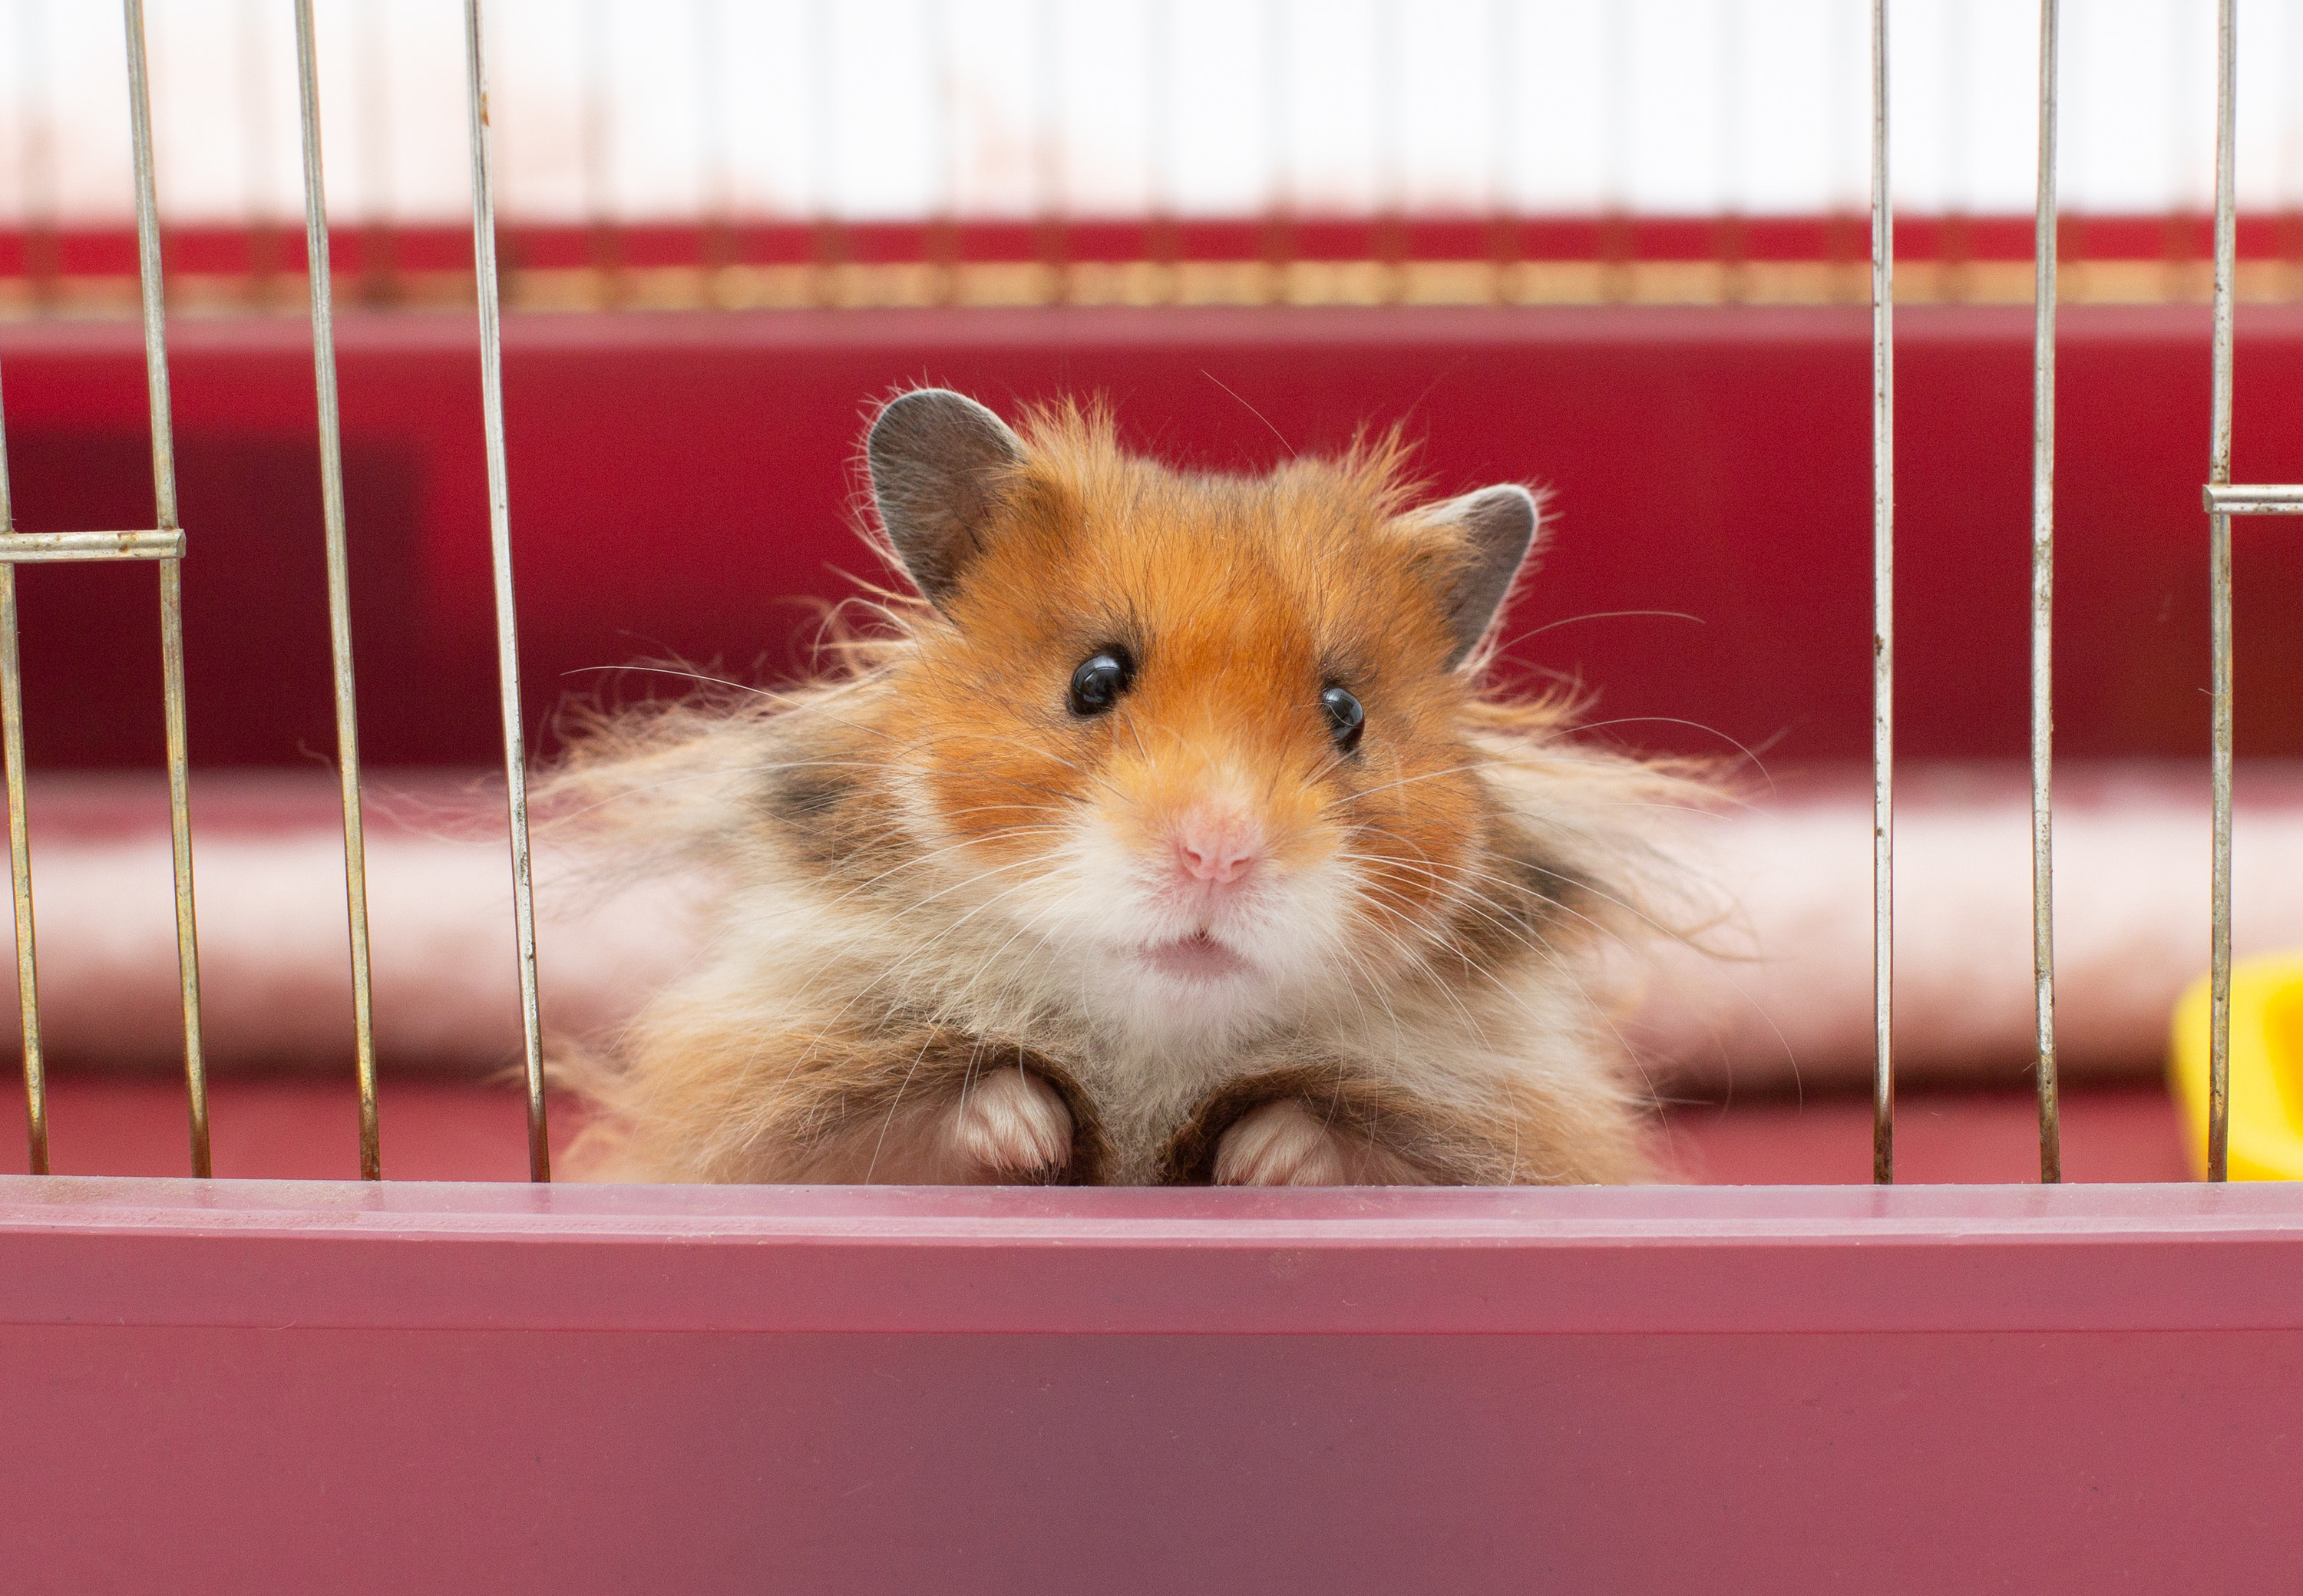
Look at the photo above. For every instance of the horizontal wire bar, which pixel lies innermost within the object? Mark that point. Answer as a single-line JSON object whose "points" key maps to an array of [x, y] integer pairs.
{"points": [[44, 548], [1178, 280], [2254, 500]]}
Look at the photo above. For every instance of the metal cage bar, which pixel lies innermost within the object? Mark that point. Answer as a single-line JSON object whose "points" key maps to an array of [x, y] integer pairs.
{"points": [[2224, 501], [165, 544], [2252, 499], [171, 579], [2042, 612], [515, 747], [1883, 615], [2219, 580], [59, 548], [340, 625], [20, 841]]}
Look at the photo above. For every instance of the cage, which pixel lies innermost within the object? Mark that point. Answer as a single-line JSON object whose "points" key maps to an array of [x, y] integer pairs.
{"points": [[338, 1384]]}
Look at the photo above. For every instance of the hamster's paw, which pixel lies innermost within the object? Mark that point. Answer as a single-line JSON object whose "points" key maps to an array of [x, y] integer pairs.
{"points": [[1280, 1143], [1014, 1128]]}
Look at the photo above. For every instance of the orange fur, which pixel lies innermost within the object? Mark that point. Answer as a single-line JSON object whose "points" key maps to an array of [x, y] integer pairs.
{"points": [[933, 868]]}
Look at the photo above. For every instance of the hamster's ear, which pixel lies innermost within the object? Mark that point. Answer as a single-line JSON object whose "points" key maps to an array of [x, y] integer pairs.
{"points": [[1497, 528], [938, 458]]}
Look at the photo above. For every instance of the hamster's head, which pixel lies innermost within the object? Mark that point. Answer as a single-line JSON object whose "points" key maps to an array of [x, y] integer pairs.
{"points": [[1193, 743]]}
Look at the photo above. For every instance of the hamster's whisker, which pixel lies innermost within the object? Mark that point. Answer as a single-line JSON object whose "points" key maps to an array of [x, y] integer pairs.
{"points": [[685, 675], [709, 776], [1617, 937], [1744, 749], [1127, 719], [1366, 975], [1536, 760], [1487, 910], [1041, 753], [1326, 767], [1595, 615], [894, 1103], [1367, 792], [920, 860], [1414, 955], [921, 903], [1597, 1012], [1534, 943], [988, 960], [1738, 987], [895, 968], [1471, 897]]}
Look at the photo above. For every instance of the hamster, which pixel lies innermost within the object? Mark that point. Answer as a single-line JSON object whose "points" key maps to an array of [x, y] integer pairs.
{"points": [[1169, 835]]}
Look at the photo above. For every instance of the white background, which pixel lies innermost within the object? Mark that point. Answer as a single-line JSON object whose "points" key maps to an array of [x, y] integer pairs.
{"points": [[891, 108]]}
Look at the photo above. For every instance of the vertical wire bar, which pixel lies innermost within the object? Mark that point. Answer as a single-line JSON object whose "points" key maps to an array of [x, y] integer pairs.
{"points": [[514, 741], [2043, 611], [20, 840], [1883, 616], [2219, 585], [172, 577], [340, 622]]}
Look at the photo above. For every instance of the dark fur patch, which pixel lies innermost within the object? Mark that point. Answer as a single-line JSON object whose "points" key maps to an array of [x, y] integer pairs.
{"points": [[811, 805], [1525, 901], [810, 793], [833, 813]]}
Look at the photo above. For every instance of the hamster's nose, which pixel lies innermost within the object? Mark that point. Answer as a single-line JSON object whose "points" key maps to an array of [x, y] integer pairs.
{"points": [[1216, 845]]}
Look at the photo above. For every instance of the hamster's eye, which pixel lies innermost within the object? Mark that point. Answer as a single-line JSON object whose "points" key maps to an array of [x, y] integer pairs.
{"points": [[1346, 719], [1102, 678]]}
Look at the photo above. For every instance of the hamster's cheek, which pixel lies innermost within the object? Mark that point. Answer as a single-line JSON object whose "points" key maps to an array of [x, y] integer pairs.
{"points": [[1302, 936]]}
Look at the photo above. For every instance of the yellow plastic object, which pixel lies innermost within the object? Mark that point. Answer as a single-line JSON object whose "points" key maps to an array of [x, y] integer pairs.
{"points": [[2266, 1069]]}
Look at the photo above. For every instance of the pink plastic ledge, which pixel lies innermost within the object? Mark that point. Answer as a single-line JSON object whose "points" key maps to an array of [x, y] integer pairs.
{"points": [[973, 1260], [292, 1386]]}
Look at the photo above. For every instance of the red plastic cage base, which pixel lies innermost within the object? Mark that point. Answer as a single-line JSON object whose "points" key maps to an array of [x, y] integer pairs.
{"points": [[317, 1386]]}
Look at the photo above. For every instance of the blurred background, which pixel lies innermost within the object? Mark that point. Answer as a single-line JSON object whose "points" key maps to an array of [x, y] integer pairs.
{"points": [[1616, 246]]}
